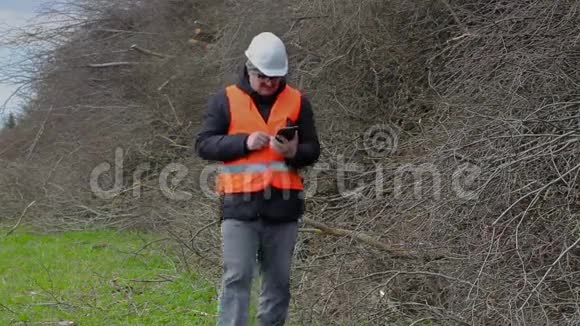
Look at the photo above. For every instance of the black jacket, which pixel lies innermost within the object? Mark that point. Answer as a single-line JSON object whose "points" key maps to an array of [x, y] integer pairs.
{"points": [[214, 144]]}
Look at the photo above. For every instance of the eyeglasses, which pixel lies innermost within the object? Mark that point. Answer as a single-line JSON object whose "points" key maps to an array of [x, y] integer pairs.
{"points": [[261, 76]]}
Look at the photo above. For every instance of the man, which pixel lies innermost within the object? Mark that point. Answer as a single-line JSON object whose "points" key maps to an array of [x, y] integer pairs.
{"points": [[262, 192]]}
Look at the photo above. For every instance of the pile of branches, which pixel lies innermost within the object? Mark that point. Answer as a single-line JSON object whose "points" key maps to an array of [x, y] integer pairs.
{"points": [[447, 189], [476, 110]]}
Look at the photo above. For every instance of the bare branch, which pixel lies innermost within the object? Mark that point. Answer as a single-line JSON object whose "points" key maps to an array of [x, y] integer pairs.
{"points": [[20, 219], [149, 52], [114, 64]]}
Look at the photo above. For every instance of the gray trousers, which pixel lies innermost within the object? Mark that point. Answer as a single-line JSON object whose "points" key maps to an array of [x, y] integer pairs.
{"points": [[273, 244]]}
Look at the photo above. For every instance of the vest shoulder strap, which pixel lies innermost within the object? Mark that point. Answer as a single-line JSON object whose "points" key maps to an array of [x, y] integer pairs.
{"points": [[290, 96]]}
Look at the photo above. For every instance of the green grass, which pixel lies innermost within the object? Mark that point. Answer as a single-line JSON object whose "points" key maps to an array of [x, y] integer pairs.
{"points": [[102, 278], [98, 278]]}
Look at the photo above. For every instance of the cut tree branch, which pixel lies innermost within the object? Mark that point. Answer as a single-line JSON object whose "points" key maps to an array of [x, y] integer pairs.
{"points": [[20, 219], [395, 252], [113, 64], [548, 272], [149, 52]]}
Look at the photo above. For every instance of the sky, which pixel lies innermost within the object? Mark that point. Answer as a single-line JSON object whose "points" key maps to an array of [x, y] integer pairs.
{"points": [[14, 13]]}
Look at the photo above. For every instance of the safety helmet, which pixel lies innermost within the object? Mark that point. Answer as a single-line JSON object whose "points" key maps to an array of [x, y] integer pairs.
{"points": [[268, 53]]}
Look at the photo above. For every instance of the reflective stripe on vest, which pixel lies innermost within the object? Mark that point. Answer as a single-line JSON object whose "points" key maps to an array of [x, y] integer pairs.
{"points": [[255, 167], [261, 168]]}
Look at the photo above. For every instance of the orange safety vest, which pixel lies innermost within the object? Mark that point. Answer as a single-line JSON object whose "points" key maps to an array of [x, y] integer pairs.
{"points": [[264, 167]]}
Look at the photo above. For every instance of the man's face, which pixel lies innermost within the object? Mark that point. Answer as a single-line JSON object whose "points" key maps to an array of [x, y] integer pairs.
{"points": [[264, 85]]}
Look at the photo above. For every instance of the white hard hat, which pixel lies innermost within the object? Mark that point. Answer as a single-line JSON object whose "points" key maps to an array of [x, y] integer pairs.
{"points": [[268, 53]]}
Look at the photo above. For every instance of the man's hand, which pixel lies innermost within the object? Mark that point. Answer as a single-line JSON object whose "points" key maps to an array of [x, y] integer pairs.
{"points": [[257, 140], [286, 148]]}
